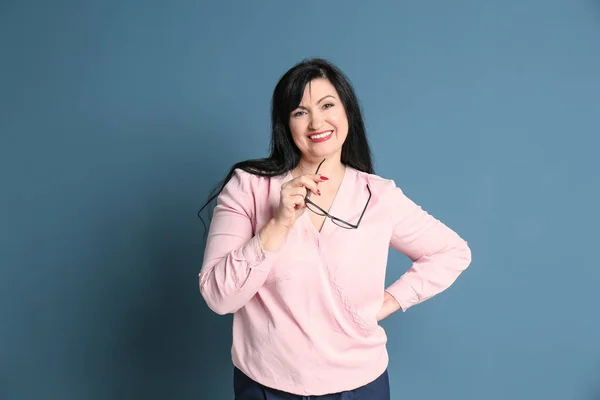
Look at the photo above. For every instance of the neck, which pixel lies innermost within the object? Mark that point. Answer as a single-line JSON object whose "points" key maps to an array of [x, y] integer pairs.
{"points": [[330, 168]]}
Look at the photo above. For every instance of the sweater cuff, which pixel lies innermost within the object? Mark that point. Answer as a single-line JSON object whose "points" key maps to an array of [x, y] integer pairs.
{"points": [[404, 294]]}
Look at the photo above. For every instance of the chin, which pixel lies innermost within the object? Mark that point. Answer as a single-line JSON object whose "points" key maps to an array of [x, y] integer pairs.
{"points": [[325, 153]]}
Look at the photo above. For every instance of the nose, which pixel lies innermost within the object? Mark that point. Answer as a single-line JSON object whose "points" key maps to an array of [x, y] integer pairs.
{"points": [[316, 122]]}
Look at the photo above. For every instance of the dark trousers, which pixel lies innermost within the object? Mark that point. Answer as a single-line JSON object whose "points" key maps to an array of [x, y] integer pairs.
{"points": [[247, 389]]}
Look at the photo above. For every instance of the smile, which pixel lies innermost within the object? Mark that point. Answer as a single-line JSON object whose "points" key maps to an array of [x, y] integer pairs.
{"points": [[320, 136]]}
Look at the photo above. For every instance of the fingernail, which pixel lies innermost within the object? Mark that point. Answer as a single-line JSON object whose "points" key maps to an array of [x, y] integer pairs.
{"points": [[324, 178], [318, 192]]}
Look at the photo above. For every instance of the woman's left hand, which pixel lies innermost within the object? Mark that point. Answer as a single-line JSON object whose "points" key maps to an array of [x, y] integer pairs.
{"points": [[390, 305]]}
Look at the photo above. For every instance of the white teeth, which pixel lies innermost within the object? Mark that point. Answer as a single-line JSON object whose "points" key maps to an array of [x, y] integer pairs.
{"points": [[321, 136]]}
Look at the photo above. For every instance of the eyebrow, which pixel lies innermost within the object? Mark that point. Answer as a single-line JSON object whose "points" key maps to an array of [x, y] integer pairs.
{"points": [[322, 98]]}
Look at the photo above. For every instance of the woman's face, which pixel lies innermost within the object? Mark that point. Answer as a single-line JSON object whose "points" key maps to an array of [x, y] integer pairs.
{"points": [[319, 124]]}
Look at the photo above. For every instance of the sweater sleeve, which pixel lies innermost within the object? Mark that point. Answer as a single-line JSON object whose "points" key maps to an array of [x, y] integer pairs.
{"points": [[439, 254], [235, 265]]}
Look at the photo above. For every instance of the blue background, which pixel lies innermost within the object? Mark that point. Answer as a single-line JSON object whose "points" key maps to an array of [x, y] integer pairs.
{"points": [[118, 117]]}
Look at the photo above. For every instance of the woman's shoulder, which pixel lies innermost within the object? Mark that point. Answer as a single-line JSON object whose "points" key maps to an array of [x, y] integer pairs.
{"points": [[387, 192], [244, 189], [251, 182], [375, 181], [383, 188]]}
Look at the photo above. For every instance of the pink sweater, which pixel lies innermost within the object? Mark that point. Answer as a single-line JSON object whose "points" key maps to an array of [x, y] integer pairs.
{"points": [[305, 316]]}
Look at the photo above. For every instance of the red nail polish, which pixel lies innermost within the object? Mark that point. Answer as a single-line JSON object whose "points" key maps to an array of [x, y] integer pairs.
{"points": [[318, 192], [324, 178]]}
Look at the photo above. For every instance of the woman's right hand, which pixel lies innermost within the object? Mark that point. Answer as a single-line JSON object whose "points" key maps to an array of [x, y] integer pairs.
{"points": [[291, 206], [293, 192]]}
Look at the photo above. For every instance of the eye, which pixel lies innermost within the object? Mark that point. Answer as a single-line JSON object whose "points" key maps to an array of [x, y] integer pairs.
{"points": [[327, 105], [297, 114]]}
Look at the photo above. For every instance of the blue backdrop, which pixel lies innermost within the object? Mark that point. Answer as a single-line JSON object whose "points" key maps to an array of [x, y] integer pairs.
{"points": [[118, 117]]}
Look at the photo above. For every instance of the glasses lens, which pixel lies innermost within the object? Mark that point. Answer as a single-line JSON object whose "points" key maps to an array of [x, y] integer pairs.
{"points": [[314, 209], [342, 224]]}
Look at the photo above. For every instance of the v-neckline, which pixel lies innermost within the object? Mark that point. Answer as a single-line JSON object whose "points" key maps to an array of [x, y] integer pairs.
{"points": [[333, 206]]}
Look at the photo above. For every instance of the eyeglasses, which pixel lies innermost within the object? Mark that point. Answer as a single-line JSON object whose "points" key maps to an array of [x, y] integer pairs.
{"points": [[339, 222]]}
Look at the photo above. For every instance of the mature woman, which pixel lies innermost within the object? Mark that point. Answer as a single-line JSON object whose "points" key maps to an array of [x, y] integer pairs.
{"points": [[298, 246]]}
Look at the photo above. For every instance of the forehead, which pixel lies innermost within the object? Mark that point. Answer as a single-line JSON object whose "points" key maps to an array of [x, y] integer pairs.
{"points": [[317, 89]]}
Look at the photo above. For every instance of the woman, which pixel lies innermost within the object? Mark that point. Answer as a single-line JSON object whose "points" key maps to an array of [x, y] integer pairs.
{"points": [[298, 245]]}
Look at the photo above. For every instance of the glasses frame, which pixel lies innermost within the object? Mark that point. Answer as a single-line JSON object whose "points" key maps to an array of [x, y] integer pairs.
{"points": [[338, 221]]}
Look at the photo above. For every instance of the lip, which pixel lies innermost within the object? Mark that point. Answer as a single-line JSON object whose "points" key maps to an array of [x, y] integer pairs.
{"points": [[321, 139]]}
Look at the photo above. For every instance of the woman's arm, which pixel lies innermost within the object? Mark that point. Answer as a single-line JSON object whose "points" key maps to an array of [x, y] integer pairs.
{"points": [[439, 255], [236, 261]]}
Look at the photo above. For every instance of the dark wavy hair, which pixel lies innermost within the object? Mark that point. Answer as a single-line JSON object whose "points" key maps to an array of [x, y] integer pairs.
{"points": [[284, 154]]}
